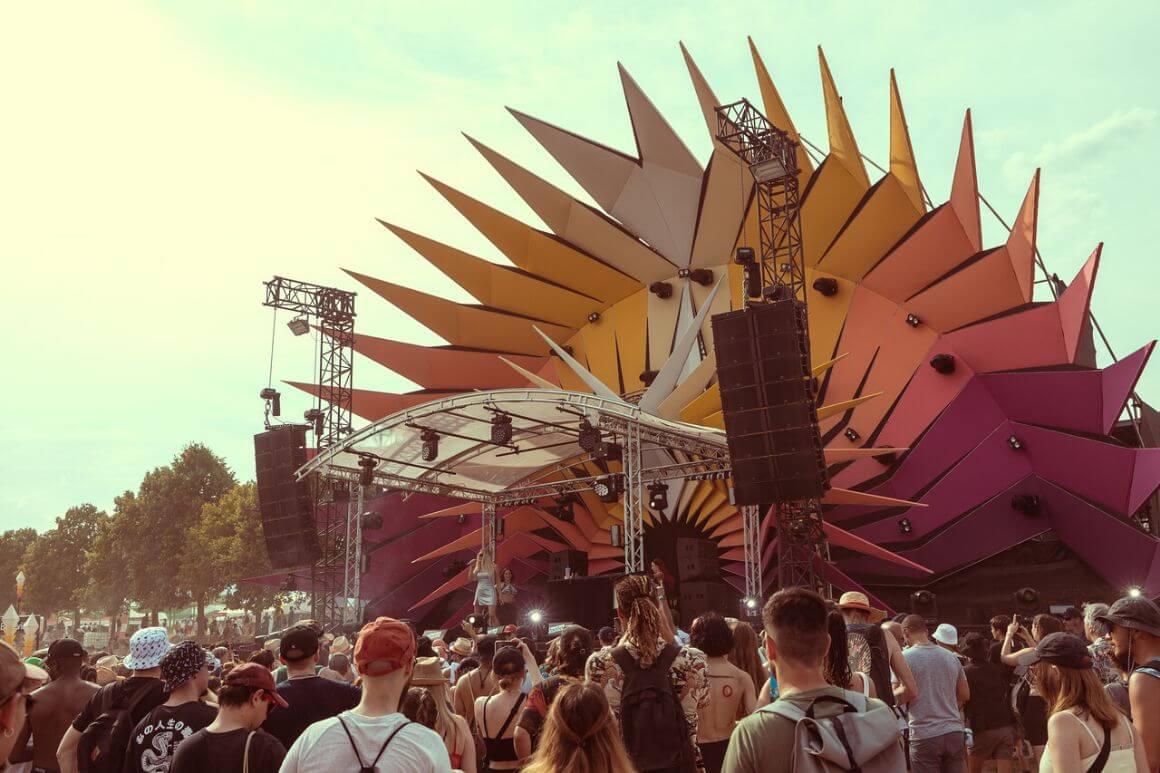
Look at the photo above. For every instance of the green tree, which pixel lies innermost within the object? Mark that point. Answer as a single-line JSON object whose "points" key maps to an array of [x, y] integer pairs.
{"points": [[14, 543], [105, 571], [55, 562]]}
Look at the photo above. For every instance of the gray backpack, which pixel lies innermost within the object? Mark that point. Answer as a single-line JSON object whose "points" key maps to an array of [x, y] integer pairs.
{"points": [[860, 737]]}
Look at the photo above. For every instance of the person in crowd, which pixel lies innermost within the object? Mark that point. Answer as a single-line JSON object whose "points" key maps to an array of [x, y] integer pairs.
{"points": [[141, 692], [796, 639], [1118, 690], [1073, 622], [310, 697], [52, 707], [579, 735], [434, 711], [479, 682], [573, 647], [1030, 702], [340, 665], [1085, 727], [894, 628], [999, 625], [1101, 649], [946, 636], [506, 589], [746, 655], [17, 680], [235, 742], [424, 648], [341, 646], [264, 658], [224, 655], [495, 715], [731, 692], [483, 570], [937, 741], [988, 710], [156, 737], [1135, 627], [874, 653], [607, 637], [374, 734], [647, 653], [837, 668]]}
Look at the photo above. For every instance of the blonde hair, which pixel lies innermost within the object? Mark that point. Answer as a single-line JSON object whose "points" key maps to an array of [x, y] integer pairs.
{"points": [[580, 735], [634, 599], [1065, 689], [745, 655]]}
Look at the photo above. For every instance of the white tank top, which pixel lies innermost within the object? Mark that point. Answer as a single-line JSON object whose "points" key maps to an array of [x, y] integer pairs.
{"points": [[1122, 758]]}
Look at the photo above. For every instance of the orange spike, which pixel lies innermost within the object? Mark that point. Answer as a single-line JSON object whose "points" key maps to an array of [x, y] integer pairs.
{"points": [[965, 188], [903, 165], [776, 111], [1021, 241]]}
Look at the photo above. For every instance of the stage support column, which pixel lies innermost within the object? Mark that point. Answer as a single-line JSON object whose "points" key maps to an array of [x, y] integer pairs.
{"points": [[488, 532], [633, 506], [751, 534], [352, 575]]}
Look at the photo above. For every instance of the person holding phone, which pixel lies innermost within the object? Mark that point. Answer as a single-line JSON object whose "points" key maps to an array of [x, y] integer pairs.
{"points": [[1029, 701]]}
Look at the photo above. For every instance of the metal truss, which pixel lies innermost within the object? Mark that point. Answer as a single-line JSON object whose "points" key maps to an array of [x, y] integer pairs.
{"points": [[800, 541], [751, 535], [352, 574], [633, 506], [488, 532]]}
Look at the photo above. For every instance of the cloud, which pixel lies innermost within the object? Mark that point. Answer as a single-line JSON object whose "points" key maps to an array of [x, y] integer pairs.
{"points": [[1078, 150]]}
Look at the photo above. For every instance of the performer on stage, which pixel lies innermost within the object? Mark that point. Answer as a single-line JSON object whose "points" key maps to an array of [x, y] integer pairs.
{"points": [[485, 596], [507, 596]]}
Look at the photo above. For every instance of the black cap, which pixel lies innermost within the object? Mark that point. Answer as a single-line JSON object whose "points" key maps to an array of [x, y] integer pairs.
{"points": [[1133, 612], [508, 661], [299, 643], [1071, 613], [1065, 650], [65, 648]]}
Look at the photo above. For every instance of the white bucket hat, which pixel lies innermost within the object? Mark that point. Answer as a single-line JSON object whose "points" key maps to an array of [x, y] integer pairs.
{"points": [[146, 649], [946, 634]]}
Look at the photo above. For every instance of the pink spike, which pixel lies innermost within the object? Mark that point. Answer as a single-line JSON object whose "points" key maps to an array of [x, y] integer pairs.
{"points": [[965, 188], [845, 539], [1021, 242], [1119, 380], [1145, 477], [1075, 302]]}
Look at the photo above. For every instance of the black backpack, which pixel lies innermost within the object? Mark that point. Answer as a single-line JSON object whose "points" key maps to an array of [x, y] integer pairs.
{"points": [[870, 654], [651, 718], [102, 745]]}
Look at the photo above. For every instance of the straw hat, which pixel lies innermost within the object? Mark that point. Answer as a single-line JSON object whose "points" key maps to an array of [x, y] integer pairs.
{"points": [[340, 646], [859, 601], [428, 671], [461, 646]]}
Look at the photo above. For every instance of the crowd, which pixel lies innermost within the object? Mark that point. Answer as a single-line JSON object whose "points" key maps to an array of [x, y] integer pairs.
{"points": [[822, 686]]}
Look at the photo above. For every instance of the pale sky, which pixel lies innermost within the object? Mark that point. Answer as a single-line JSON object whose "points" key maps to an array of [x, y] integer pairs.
{"points": [[158, 162]]}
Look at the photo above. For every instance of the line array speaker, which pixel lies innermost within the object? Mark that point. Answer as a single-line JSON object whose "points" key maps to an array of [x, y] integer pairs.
{"points": [[771, 423], [697, 559], [576, 560], [287, 512]]}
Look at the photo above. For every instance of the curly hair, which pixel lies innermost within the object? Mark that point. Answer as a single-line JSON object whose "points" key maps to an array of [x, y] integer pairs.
{"points": [[573, 648], [643, 626]]}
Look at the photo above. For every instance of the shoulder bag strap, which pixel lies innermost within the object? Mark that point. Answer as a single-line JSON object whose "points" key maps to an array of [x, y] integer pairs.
{"points": [[386, 743], [511, 716], [354, 746], [246, 753], [1100, 761]]}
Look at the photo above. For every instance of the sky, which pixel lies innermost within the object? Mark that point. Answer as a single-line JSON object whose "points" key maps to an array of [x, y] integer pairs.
{"points": [[158, 162]]}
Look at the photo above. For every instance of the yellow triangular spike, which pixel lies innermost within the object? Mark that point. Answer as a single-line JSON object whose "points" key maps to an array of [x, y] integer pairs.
{"points": [[902, 162], [820, 369], [705, 96], [843, 146], [543, 383], [835, 455], [777, 113], [826, 411]]}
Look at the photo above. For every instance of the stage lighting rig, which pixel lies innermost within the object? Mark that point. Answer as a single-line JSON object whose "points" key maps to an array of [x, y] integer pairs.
{"points": [[501, 429], [662, 290], [535, 617], [371, 520], [826, 285], [1028, 504], [912, 320], [607, 451], [273, 400], [589, 435], [430, 440], [316, 417], [608, 488], [299, 326], [1135, 593], [1015, 443], [366, 470], [852, 434], [904, 526], [658, 496]]}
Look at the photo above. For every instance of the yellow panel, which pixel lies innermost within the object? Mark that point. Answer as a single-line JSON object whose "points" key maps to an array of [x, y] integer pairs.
{"points": [[903, 166], [828, 201], [701, 494], [500, 286], [538, 253], [876, 227], [600, 346], [662, 325], [777, 114], [564, 374], [818, 370], [827, 315], [701, 406], [716, 498], [716, 420], [629, 320], [842, 143], [722, 515], [826, 411]]}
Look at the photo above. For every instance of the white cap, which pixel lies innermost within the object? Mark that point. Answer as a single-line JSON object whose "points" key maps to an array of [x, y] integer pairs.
{"points": [[946, 634]]}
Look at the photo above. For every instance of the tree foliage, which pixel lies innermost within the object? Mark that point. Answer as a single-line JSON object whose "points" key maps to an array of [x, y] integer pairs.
{"points": [[55, 563], [14, 543], [106, 589]]}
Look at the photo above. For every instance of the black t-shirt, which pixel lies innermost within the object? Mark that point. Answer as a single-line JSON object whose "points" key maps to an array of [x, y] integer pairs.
{"points": [[989, 706], [126, 693], [206, 752], [311, 699], [156, 737]]}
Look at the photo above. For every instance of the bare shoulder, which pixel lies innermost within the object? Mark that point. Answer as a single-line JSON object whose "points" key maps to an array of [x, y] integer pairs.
{"points": [[1064, 726]]}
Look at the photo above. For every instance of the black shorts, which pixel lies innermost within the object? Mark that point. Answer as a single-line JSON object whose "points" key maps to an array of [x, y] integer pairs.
{"points": [[1035, 720], [713, 755]]}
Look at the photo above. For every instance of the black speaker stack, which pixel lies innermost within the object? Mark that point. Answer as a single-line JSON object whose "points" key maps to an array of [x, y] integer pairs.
{"points": [[576, 560], [771, 423], [697, 559], [697, 598], [287, 511]]}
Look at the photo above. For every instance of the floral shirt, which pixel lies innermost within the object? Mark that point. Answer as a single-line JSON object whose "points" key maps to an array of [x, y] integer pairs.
{"points": [[1103, 661], [689, 674]]}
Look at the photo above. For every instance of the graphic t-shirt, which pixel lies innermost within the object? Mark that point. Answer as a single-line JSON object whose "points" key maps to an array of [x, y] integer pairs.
{"points": [[155, 739], [141, 694], [206, 752], [311, 699]]}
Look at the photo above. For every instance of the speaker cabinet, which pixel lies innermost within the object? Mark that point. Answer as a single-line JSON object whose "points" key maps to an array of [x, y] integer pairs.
{"points": [[576, 560], [287, 512]]}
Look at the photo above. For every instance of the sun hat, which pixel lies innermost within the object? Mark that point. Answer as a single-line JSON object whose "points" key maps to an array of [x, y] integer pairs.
{"points": [[109, 661], [340, 646], [428, 671], [946, 634], [272, 645], [146, 648], [1139, 613], [14, 672], [255, 675], [461, 646], [384, 645], [859, 601], [1063, 649], [182, 663]]}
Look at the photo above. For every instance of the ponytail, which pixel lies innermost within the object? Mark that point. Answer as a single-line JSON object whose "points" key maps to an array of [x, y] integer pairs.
{"points": [[645, 625]]}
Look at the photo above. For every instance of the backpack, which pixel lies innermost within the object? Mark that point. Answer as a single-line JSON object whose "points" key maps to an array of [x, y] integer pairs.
{"points": [[651, 717], [859, 738], [102, 745], [373, 767], [870, 654]]}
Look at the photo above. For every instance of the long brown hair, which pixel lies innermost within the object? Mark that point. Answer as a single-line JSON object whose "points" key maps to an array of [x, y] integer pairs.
{"points": [[1076, 688], [643, 626], [580, 735], [745, 655], [836, 666]]}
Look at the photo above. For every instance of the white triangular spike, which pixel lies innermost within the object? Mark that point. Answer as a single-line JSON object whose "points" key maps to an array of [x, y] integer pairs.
{"points": [[666, 380], [596, 385], [537, 380]]}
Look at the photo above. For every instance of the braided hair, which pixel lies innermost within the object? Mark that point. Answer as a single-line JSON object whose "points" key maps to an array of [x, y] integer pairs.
{"points": [[644, 625]]}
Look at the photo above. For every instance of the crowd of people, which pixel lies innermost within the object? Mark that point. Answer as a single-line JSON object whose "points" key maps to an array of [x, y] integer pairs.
{"points": [[823, 685]]}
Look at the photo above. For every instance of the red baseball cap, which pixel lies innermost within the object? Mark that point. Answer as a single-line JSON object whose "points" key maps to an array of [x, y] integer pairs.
{"points": [[509, 628], [255, 675], [384, 645]]}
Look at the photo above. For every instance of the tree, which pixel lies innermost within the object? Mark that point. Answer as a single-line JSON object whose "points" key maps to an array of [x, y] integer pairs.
{"points": [[14, 544], [55, 563], [105, 571]]}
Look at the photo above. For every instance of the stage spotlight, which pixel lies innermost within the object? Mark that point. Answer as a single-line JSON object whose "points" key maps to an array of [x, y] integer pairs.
{"points": [[744, 255], [702, 276], [1028, 504], [1015, 443], [462, 519], [827, 286], [501, 429], [274, 398], [299, 326], [594, 316], [1027, 597], [589, 436], [658, 496], [925, 603], [661, 290], [904, 526], [430, 440], [366, 470], [607, 451], [562, 509], [371, 520], [943, 363], [535, 617], [751, 603], [1135, 593], [315, 416], [649, 376], [852, 434], [912, 320], [608, 488]]}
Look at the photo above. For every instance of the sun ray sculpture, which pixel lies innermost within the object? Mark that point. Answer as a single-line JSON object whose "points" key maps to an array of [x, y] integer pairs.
{"points": [[947, 394]]}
